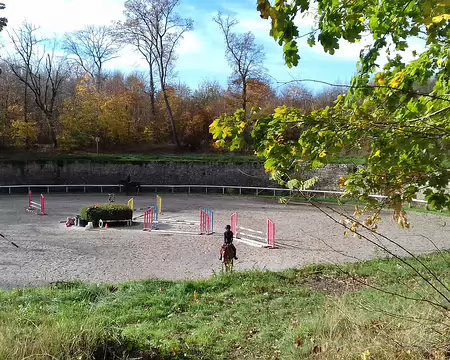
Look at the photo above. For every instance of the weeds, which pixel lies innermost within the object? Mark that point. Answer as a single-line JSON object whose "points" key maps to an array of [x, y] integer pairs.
{"points": [[322, 312]]}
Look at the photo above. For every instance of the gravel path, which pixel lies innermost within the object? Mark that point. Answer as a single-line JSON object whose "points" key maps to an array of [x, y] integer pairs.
{"points": [[51, 252]]}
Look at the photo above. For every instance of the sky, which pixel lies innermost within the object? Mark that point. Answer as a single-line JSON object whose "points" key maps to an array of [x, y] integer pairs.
{"points": [[201, 54]]}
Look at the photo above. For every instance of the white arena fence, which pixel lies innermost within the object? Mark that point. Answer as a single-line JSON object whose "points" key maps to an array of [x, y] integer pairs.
{"points": [[205, 189]]}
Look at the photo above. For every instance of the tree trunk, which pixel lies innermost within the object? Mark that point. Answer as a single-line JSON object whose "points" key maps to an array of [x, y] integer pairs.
{"points": [[51, 127], [54, 138], [152, 93], [172, 120], [244, 96], [25, 111]]}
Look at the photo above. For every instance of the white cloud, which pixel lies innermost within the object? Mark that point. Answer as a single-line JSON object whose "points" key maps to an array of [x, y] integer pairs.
{"points": [[190, 44], [351, 51], [59, 16], [254, 25]]}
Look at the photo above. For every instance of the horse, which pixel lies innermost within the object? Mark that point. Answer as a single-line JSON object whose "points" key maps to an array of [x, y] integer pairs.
{"points": [[227, 254], [130, 185]]}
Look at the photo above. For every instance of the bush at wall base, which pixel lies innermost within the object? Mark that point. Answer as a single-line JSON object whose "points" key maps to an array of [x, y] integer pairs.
{"points": [[96, 212]]}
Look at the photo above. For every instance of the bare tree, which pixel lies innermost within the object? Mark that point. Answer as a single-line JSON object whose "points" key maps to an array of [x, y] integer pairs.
{"points": [[244, 56], [127, 35], [156, 29], [327, 96], [297, 96], [91, 48], [40, 70]]}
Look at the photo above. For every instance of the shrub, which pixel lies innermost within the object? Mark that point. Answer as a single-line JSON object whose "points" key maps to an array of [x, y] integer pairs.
{"points": [[94, 213]]}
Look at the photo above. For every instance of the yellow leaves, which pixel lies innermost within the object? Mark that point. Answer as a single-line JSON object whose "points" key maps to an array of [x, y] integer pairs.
{"points": [[397, 81], [219, 144], [377, 154], [400, 216], [214, 124], [439, 62], [438, 19], [362, 19], [323, 154], [22, 131], [381, 81], [227, 132], [281, 112], [365, 355], [148, 134], [436, 13], [341, 182]]}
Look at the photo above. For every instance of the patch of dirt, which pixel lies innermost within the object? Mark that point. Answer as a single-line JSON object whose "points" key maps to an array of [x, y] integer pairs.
{"points": [[49, 252], [335, 286]]}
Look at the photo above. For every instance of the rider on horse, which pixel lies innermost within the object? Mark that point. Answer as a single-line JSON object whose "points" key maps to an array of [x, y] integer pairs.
{"points": [[228, 240]]}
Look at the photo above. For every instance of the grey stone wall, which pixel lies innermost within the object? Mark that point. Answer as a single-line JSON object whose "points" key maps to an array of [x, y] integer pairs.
{"points": [[251, 174]]}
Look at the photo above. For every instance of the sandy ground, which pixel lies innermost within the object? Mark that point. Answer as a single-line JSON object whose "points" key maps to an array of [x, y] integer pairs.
{"points": [[51, 252]]}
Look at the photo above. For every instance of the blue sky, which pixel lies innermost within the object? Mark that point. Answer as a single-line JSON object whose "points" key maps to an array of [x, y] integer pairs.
{"points": [[201, 55]]}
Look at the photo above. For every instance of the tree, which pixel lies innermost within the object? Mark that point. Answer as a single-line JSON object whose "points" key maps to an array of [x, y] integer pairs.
{"points": [[40, 70], [408, 130], [80, 123], [298, 96], [3, 20], [244, 56], [92, 47], [128, 34], [159, 30]]}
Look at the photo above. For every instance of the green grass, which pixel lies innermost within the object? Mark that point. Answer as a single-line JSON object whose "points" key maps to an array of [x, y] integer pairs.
{"points": [[333, 200], [249, 315], [154, 158], [132, 158]]}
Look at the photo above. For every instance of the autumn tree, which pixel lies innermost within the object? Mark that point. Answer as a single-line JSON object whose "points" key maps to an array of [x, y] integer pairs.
{"points": [[38, 67], [156, 25], [90, 48], [127, 33], [408, 129], [244, 56]]}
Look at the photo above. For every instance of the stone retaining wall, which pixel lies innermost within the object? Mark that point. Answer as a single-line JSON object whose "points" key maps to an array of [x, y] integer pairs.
{"points": [[250, 174]]}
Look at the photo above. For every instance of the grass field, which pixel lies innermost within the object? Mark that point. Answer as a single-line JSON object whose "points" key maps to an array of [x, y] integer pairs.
{"points": [[320, 312], [168, 157]]}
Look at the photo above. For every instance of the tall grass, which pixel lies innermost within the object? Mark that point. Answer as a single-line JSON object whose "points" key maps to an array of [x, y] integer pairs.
{"points": [[319, 312]]}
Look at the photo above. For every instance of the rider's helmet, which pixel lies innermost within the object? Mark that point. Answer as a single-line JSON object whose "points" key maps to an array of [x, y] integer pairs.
{"points": [[228, 227]]}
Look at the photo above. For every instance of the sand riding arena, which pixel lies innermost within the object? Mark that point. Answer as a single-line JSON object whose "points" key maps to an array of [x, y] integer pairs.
{"points": [[49, 251]]}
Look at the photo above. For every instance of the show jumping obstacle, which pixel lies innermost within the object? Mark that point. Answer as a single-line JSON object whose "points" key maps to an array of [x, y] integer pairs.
{"points": [[206, 222], [153, 222], [149, 217], [254, 237], [37, 208]]}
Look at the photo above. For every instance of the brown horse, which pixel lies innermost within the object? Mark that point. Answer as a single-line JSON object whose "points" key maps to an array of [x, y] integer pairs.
{"points": [[227, 254]]}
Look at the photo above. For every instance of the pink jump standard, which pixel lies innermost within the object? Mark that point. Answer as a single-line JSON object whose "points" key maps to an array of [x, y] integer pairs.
{"points": [[148, 219], [38, 208]]}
